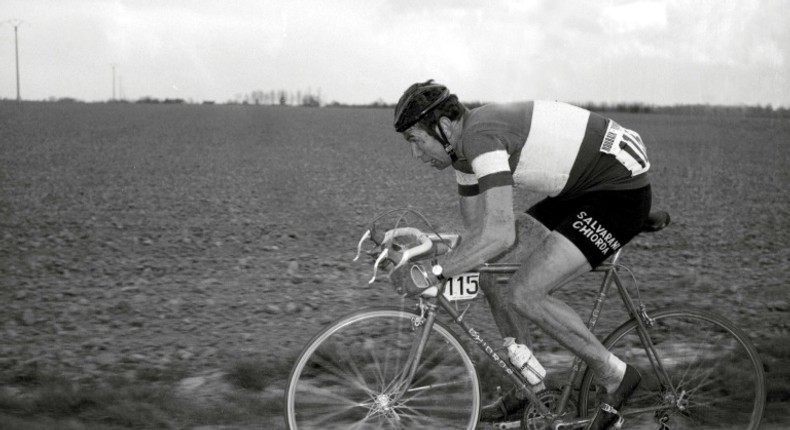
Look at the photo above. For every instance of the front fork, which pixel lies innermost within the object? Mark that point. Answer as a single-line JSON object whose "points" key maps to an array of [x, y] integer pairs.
{"points": [[422, 324]]}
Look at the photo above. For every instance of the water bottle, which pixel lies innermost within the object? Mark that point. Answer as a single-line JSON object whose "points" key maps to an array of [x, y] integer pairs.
{"points": [[526, 362]]}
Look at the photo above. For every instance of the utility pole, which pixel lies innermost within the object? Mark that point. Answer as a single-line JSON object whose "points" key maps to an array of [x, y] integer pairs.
{"points": [[16, 23], [113, 80]]}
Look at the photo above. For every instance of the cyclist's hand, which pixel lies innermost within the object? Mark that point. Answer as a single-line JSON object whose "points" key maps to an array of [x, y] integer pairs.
{"points": [[411, 278], [401, 278]]}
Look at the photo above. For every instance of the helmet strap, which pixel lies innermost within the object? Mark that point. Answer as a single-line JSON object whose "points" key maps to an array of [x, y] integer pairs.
{"points": [[446, 143]]}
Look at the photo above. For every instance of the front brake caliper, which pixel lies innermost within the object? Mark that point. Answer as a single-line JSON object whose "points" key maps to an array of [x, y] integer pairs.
{"points": [[417, 321], [645, 317]]}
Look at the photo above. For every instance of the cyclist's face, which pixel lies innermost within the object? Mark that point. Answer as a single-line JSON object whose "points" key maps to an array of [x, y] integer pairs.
{"points": [[426, 148]]}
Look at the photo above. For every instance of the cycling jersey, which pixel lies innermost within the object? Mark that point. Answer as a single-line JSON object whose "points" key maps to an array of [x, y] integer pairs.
{"points": [[549, 147]]}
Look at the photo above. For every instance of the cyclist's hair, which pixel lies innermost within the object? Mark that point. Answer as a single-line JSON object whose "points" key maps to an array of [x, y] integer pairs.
{"points": [[411, 108]]}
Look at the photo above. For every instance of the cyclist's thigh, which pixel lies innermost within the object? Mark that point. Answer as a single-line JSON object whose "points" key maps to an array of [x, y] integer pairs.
{"points": [[555, 261], [529, 233]]}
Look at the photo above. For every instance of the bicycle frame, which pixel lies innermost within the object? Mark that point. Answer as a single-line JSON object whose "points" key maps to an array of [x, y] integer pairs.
{"points": [[609, 269], [702, 381]]}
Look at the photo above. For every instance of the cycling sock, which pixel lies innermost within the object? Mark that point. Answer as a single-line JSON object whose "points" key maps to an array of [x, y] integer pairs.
{"points": [[611, 381]]}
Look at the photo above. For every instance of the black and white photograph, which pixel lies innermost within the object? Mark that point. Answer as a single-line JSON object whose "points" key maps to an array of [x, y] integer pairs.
{"points": [[394, 214]]}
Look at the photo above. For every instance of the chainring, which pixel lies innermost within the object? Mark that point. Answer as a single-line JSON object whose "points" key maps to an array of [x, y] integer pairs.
{"points": [[534, 420]]}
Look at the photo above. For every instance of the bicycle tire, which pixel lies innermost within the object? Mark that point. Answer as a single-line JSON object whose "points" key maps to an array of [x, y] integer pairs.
{"points": [[344, 377], [713, 364]]}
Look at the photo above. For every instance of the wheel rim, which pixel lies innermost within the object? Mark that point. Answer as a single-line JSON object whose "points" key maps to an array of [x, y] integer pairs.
{"points": [[716, 379], [348, 377]]}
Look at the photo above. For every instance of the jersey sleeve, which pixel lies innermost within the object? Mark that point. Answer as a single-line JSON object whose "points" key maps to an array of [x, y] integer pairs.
{"points": [[490, 164], [467, 184]]}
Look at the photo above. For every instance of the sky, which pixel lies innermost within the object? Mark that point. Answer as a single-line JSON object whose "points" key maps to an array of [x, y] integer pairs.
{"points": [[660, 52]]}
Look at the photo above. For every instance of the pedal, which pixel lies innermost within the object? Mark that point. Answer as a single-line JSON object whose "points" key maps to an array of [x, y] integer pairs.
{"points": [[663, 418], [620, 420], [507, 425]]}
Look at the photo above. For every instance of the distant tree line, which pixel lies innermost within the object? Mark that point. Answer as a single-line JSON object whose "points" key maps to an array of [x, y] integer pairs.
{"points": [[690, 109], [152, 100], [307, 98], [280, 98]]}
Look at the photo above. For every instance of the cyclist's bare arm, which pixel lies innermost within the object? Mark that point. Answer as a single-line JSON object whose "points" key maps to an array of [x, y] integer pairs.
{"points": [[491, 230], [471, 213]]}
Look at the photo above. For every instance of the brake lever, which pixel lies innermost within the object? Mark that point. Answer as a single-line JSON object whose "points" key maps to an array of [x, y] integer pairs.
{"points": [[381, 258], [365, 237]]}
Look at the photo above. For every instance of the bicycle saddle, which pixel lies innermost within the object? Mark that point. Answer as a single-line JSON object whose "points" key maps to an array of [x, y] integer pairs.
{"points": [[656, 221]]}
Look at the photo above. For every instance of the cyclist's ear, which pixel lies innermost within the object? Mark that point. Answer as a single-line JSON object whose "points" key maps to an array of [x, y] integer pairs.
{"points": [[447, 126]]}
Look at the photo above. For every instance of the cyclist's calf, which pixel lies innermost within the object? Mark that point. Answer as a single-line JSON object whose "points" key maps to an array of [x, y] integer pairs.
{"points": [[555, 261], [499, 297]]}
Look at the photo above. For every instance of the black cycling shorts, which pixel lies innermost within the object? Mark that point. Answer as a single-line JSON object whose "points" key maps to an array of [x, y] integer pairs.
{"points": [[599, 222]]}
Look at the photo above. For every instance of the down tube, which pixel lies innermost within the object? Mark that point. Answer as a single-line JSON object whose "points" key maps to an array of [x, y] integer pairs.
{"points": [[483, 345]]}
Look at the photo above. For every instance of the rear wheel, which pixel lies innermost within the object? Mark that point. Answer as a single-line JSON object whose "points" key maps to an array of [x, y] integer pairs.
{"points": [[349, 377], [716, 378]]}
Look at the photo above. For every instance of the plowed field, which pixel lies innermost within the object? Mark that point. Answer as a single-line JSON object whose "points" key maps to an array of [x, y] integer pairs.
{"points": [[141, 240]]}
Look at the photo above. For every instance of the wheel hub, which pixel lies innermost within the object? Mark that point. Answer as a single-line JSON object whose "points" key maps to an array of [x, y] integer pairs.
{"points": [[383, 403]]}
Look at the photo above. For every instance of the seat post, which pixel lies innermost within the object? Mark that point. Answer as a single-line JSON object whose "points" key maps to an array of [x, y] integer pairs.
{"points": [[616, 256], [602, 292]]}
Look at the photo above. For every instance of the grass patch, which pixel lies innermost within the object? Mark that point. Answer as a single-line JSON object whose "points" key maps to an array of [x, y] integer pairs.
{"points": [[165, 375], [120, 404], [776, 359], [37, 400], [250, 375], [259, 374]]}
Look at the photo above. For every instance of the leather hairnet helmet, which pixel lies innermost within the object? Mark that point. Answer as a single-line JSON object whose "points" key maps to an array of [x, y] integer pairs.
{"points": [[417, 101]]}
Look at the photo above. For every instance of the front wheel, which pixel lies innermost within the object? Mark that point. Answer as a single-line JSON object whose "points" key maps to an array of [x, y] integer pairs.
{"points": [[714, 376], [350, 376]]}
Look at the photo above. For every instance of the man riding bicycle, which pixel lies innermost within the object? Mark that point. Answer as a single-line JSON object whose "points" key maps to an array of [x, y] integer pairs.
{"points": [[594, 174]]}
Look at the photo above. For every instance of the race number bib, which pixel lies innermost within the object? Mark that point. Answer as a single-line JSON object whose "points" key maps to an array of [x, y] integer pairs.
{"points": [[462, 287], [627, 146]]}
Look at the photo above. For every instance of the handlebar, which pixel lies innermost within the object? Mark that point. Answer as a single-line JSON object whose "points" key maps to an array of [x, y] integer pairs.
{"points": [[392, 252]]}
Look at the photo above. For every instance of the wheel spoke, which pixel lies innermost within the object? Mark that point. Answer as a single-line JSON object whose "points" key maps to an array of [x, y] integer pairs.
{"points": [[715, 373], [333, 397], [338, 376], [349, 377]]}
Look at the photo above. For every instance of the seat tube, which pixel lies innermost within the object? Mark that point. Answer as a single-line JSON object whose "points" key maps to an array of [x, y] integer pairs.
{"points": [[644, 336], [609, 276], [602, 293]]}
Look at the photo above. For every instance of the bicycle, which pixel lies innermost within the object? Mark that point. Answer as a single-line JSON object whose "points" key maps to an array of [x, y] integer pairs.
{"points": [[396, 368]]}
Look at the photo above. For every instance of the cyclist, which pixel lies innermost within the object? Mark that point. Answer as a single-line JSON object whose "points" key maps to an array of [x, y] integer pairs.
{"points": [[593, 173]]}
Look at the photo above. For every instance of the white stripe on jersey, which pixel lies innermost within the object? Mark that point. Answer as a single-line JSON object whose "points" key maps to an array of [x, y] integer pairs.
{"points": [[555, 136], [491, 162], [465, 178]]}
